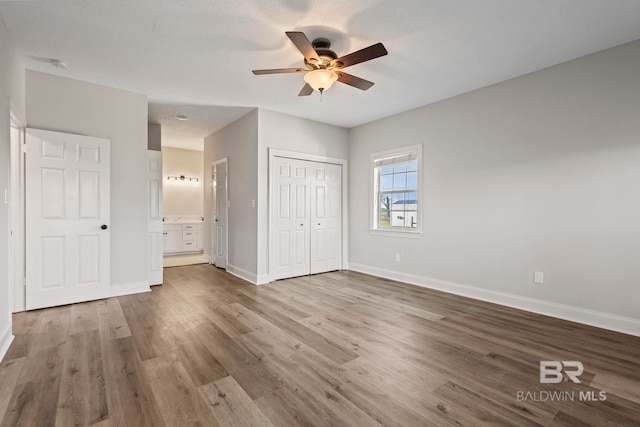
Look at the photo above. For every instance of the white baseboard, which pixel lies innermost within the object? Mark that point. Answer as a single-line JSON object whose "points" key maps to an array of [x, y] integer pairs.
{"points": [[242, 273], [247, 275], [129, 288], [598, 319], [6, 337], [206, 257], [263, 279]]}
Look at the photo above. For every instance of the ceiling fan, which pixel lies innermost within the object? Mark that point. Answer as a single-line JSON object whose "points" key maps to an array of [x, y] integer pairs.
{"points": [[322, 65]]}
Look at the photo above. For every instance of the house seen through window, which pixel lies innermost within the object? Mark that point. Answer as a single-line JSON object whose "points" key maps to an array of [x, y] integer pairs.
{"points": [[396, 191]]}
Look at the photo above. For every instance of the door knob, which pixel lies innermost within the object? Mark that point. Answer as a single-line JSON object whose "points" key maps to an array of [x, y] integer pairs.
{"points": [[104, 226]]}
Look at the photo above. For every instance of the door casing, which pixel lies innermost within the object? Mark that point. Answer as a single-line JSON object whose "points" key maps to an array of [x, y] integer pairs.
{"points": [[16, 197]]}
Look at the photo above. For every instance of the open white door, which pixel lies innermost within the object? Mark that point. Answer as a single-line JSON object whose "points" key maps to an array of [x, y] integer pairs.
{"points": [[155, 238], [67, 218], [220, 204]]}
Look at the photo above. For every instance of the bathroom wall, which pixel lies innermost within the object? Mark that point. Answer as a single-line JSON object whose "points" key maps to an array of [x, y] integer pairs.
{"points": [[182, 198]]}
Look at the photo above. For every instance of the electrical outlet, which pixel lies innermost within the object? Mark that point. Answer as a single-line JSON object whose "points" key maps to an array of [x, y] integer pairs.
{"points": [[538, 276], [397, 257], [253, 203]]}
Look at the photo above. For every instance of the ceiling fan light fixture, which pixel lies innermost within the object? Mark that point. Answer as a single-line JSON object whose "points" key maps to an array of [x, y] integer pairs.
{"points": [[321, 79]]}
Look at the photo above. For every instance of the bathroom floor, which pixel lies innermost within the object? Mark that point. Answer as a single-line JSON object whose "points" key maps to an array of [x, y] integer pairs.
{"points": [[180, 260]]}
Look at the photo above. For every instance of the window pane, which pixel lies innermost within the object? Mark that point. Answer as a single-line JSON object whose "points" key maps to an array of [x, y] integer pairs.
{"points": [[412, 180], [411, 202], [410, 219], [397, 199], [397, 218], [386, 182], [385, 207], [412, 166], [386, 170], [400, 168], [399, 181]]}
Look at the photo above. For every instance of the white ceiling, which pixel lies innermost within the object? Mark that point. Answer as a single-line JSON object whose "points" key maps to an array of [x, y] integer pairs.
{"points": [[195, 57]]}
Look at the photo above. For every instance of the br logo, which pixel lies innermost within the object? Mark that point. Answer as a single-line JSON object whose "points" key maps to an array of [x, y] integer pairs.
{"points": [[553, 371]]}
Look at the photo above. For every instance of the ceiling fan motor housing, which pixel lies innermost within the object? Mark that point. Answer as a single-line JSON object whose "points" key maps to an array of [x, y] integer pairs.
{"points": [[322, 47]]}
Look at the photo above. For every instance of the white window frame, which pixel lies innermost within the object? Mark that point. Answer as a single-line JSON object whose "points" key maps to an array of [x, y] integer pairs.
{"points": [[374, 208]]}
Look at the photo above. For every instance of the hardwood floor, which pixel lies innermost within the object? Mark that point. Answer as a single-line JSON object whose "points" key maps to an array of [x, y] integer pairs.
{"points": [[337, 349]]}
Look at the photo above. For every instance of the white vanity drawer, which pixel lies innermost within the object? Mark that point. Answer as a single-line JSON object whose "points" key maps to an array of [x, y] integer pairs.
{"points": [[189, 245], [189, 235], [189, 227]]}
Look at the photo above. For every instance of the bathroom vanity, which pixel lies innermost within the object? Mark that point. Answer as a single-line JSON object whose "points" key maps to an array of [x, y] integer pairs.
{"points": [[182, 237]]}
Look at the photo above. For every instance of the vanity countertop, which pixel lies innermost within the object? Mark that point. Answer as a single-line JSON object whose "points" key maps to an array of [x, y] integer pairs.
{"points": [[183, 219]]}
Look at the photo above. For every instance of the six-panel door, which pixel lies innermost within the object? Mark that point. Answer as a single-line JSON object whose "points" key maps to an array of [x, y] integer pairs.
{"points": [[306, 218], [67, 218]]}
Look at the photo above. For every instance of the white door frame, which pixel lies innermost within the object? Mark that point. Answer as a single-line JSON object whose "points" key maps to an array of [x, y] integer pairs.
{"points": [[16, 196], [276, 152], [154, 217], [214, 200]]}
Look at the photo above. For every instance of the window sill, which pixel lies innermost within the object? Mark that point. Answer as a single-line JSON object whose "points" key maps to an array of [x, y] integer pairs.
{"points": [[396, 233]]}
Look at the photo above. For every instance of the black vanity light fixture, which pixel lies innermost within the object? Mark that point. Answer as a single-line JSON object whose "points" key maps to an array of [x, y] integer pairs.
{"points": [[182, 178]]}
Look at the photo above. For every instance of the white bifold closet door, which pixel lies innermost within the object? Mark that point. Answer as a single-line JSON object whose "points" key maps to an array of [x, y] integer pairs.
{"points": [[306, 218]]}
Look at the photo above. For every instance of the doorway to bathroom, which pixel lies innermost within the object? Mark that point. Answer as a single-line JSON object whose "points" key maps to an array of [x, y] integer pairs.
{"points": [[183, 200]]}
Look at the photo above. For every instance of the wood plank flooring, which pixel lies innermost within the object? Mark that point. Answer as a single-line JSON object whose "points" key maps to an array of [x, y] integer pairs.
{"points": [[337, 349]]}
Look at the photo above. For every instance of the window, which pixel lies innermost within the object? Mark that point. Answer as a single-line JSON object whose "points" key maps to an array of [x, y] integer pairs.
{"points": [[396, 188]]}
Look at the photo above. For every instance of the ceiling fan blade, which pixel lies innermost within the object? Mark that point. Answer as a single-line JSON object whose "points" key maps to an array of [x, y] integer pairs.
{"points": [[368, 53], [306, 90], [353, 80], [279, 71], [304, 45]]}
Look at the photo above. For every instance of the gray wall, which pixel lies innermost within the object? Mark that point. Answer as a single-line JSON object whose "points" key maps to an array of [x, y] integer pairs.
{"points": [[12, 93], [537, 173], [286, 132], [236, 141], [154, 137], [246, 142], [65, 105]]}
